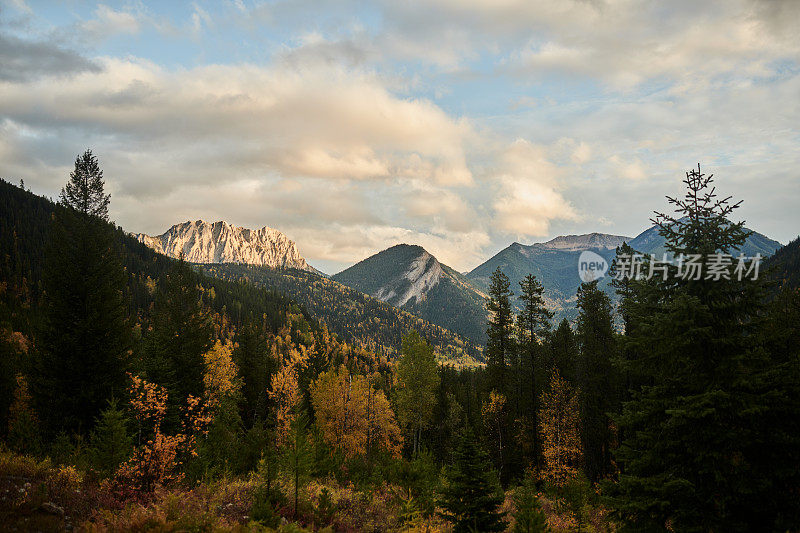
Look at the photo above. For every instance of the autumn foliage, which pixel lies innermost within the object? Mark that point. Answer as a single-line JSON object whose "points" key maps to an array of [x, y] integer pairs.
{"points": [[560, 434], [354, 417], [157, 459]]}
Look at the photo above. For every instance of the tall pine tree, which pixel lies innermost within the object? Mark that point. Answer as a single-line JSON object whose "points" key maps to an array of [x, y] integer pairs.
{"points": [[533, 324], [696, 436], [83, 354], [595, 378], [499, 346], [472, 496]]}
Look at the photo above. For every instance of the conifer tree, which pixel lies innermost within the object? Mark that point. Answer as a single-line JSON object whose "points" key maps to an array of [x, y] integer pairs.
{"points": [[180, 336], [499, 345], [693, 454], [528, 515], [595, 378], [110, 444], [298, 454], [83, 353], [472, 496], [533, 324], [563, 351]]}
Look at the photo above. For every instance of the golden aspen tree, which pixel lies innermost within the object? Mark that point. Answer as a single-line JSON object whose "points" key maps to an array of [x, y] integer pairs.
{"points": [[559, 428]]}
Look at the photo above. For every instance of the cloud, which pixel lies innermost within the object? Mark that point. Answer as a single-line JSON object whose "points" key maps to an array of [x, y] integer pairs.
{"points": [[529, 198], [23, 61], [108, 22]]}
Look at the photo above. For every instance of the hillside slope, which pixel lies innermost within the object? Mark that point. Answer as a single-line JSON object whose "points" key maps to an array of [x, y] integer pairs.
{"points": [[352, 315], [412, 279]]}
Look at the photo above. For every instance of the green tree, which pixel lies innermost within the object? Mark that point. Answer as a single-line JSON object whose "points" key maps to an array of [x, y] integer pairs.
{"points": [[533, 324], [418, 380], [471, 497], [699, 450], [563, 351], [255, 364], [499, 346], [528, 515], [181, 334], [298, 454], [595, 378], [83, 353], [110, 444]]}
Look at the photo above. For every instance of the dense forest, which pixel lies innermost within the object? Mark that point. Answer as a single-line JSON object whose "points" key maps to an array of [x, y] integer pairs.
{"points": [[353, 316], [139, 393]]}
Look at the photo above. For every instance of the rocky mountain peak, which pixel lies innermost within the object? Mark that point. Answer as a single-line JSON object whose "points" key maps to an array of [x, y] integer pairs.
{"points": [[219, 242]]}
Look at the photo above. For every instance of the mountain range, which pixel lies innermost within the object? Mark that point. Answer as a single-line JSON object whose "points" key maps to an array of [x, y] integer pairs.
{"points": [[410, 278], [220, 242]]}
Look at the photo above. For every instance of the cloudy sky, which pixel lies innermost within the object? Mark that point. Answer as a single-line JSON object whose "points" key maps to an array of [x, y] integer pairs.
{"points": [[458, 125]]}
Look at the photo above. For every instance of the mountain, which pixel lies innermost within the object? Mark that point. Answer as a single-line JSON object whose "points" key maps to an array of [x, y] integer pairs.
{"points": [[784, 266], [412, 279], [650, 242], [555, 263], [220, 242]]}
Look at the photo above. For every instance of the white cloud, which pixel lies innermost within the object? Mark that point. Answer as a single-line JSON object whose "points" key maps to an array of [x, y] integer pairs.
{"points": [[108, 22], [529, 198]]}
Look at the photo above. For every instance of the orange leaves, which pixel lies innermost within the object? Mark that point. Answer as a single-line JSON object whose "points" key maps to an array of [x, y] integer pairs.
{"points": [[285, 394], [156, 461], [353, 415], [559, 428], [148, 401]]}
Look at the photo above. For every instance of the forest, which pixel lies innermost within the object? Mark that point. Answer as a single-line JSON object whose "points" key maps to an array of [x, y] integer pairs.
{"points": [[141, 393]]}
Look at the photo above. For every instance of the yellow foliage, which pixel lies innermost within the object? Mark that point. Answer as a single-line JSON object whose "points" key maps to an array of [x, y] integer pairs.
{"points": [[221, 378], [559, 428], [354, 416]]}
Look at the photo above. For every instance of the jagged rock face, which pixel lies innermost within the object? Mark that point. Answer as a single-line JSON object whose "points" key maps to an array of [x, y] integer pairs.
{"points": [[422, 275], [220, 242]]}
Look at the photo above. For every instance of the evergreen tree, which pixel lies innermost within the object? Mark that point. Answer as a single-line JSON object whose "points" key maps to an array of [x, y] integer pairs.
{"points": [[418, 380], [180, 336], [693, 457], [110, 444], [255, 364], [533, 324], [528, 516], [595, 378], [85, 191], [298, 454], [472, 496], [499, 346], [83, 353], [563, 351]]}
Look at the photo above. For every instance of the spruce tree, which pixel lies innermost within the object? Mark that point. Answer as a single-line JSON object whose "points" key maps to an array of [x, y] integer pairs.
{"points": [[181, 334], [83, 353], [533, 324], [693, 456], [563, 351], [472, 496], [110, 443], [499, 345], [528, 516], [595, 378]]}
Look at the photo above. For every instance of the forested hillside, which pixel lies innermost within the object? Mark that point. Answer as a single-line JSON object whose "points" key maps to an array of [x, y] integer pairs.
{"points": [[352, 315], [141, 394]]}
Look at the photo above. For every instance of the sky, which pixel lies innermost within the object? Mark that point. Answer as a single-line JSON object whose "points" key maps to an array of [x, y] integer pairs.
{"points": [[461, 126]]}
